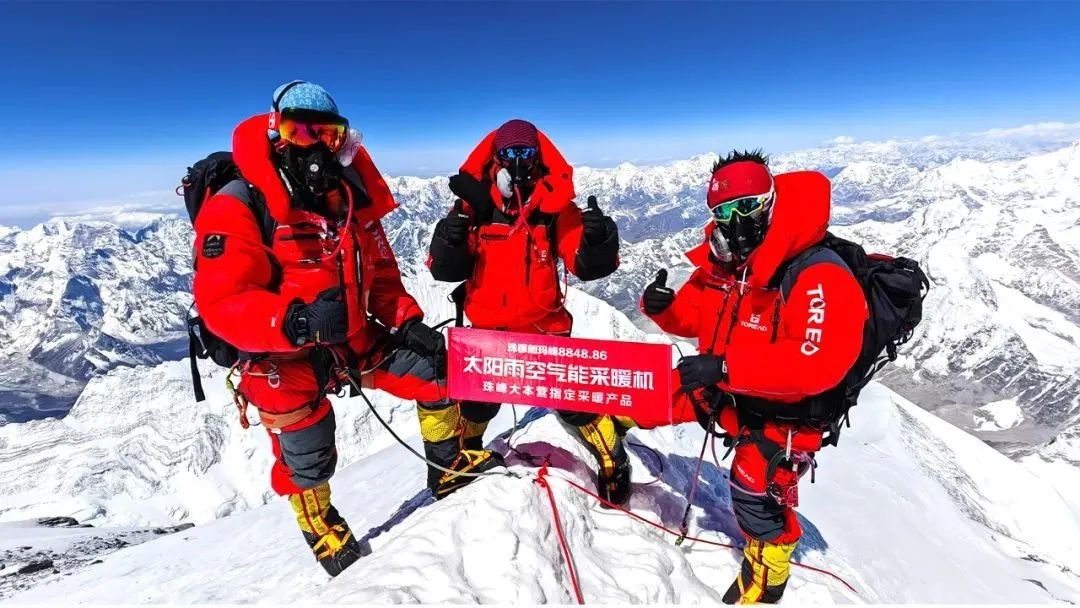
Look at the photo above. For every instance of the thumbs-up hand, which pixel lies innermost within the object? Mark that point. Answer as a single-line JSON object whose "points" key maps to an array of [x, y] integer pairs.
{"points": [[594, 223], [454, 228], [658, 297]]}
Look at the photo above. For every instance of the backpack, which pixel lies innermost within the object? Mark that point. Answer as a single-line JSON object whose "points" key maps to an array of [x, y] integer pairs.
{"points": [[216, 173], [894, 289]]}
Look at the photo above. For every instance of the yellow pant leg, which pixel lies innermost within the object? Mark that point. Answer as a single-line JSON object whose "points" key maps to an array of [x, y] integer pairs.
{"points": [[764, 572], [311, 507], [440, 424]]}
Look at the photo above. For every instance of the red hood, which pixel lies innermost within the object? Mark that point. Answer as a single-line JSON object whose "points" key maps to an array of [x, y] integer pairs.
{"points": [[800, 217], [252, 154], [553, 193]]}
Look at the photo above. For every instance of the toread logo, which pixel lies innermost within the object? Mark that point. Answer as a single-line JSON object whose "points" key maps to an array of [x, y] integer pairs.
{"points": [[754, 323], [815, 321], [213, 245]]}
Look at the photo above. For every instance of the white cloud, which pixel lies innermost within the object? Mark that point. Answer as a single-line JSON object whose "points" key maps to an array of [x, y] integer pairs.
{"points": [[131, 210], [841, 140], [1037, 129]]}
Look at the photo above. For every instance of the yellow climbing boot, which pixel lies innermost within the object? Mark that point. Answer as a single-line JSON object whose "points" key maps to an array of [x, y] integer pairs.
{"points": [[325, 531], [464, 469], [604, 438], [763, 575]]}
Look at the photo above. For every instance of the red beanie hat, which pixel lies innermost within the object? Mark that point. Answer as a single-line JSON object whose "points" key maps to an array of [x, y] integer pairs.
{"points": [[516, 132], [738, 180]]}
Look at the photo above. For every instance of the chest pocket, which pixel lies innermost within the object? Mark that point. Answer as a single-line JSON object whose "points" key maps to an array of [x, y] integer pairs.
{"points": [[301, 244], [305, 256], [516, 274]]}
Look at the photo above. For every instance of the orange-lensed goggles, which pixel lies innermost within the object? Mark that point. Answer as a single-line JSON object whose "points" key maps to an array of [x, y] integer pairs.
{"points": [[304, 132]]}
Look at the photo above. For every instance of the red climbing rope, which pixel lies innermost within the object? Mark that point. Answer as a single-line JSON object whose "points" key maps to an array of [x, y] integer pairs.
{"points": [[542, 482], [541, 479]]}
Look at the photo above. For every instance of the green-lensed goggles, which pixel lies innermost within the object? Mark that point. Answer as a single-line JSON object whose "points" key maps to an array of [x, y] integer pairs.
{"points": [[746, 206]]}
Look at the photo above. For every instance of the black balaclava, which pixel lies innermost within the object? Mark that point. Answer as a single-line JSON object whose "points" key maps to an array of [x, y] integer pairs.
{"points": [[733, 241], [314, 169], [743, 234], [523, 175]]}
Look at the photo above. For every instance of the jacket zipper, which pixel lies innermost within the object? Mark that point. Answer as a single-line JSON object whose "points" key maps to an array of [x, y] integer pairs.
{"points": [[719, 320], [359, 276]]}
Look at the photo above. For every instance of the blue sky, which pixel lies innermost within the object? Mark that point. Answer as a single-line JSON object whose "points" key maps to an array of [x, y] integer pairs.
{"points": [[107, 100]]}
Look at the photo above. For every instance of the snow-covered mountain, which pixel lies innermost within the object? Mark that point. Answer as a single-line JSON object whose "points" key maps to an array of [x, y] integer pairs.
{"points": [[906, 508], [79, 298], [137, 450], [940, 515], [998, 352], [993, 217]]}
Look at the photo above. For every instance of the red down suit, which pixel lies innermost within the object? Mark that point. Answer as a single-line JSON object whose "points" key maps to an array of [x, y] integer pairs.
{"points": [[243, 289], [776, 350]]}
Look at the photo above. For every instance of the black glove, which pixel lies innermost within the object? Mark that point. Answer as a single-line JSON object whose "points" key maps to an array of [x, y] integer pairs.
{"points": [[595, 225], [454, 228], [701, 371], [658, 296], [470, 189], [417, 336], [324, 321]]}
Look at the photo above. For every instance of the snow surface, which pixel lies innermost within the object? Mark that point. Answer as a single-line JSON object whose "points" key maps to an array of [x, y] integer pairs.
{"points": [[907, 509], [999, 415]]}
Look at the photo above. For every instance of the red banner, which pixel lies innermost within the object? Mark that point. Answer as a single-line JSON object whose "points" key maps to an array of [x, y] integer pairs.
{"points": [[596, 376]]}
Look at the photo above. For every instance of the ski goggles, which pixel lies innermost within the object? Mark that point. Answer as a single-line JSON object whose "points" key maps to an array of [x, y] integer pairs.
{"points": [[302, 131], [516, 152], [747, 206]]}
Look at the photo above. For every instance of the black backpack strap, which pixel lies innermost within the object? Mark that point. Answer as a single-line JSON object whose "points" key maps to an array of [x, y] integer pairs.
{"points": [[458, 298], [253, 200], [818, 254], [196, 351], [196, 379], [789, 274], [360, 191]]}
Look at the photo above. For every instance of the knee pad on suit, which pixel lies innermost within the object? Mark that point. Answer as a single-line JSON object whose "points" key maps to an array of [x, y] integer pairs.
{"points": [[309, 454]]}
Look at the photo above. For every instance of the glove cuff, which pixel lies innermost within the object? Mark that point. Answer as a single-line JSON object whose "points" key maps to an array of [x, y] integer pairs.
{"points": [[402, 329]]}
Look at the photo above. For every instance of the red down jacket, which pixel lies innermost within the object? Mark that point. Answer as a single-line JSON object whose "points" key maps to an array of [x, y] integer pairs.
{"points": [[243, 291], [510, 263], [781, 351]]}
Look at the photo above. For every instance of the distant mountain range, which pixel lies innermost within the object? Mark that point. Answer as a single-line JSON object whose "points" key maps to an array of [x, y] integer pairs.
{"points": [[993, 217]]}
